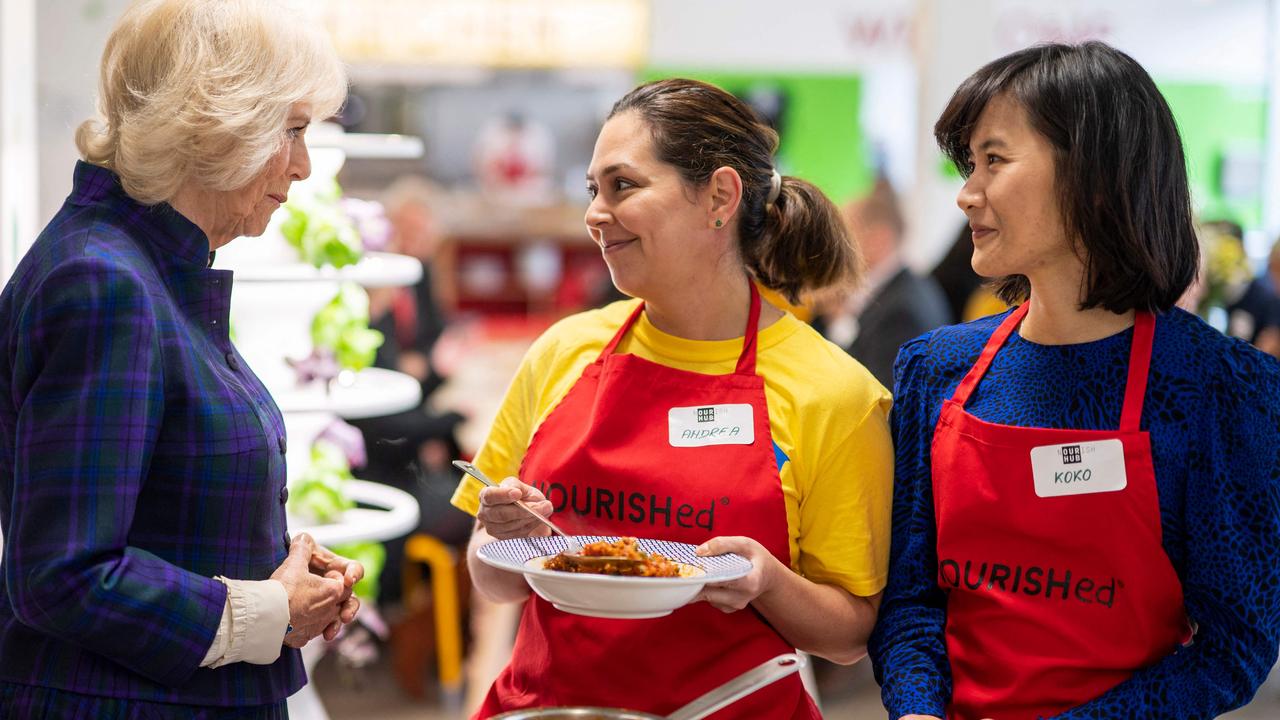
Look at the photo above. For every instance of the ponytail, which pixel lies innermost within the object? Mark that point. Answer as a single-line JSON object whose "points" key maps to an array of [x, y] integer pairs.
{"points": [[802, 243]]}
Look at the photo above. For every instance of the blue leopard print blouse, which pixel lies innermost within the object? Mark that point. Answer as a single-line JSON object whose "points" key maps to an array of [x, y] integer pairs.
{"points": [[1213, 412]]}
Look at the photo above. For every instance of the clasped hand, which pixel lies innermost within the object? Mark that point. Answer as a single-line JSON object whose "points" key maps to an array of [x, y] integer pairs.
{"points": [[318, 583]]}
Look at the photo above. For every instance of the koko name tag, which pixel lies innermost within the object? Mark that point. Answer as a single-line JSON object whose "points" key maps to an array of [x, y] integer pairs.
{"points": [[705, 425], [1079, 468]]}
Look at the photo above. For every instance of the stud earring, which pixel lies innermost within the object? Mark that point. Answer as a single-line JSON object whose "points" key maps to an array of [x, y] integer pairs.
{"points": [[719, 222]]}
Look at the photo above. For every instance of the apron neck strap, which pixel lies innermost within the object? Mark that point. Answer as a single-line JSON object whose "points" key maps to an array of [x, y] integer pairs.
{"points": [[1002, 333], [622, 331], [1139, 364], [1144, 331], [746, 360]]}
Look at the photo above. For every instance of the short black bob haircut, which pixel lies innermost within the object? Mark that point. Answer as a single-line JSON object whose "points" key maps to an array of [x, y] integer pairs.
{"points": [[1121, 174]]}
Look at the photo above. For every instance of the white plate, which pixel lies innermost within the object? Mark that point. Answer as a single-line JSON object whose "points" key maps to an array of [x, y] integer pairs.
{"points": [[611, 596]]}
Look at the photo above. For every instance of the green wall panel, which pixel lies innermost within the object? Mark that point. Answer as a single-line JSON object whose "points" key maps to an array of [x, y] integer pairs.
{"points": [[1213, 118], [822, 140]]}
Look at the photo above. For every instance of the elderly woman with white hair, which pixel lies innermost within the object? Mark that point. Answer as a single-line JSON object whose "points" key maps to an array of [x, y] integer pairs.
{"points": [[147, 570]]}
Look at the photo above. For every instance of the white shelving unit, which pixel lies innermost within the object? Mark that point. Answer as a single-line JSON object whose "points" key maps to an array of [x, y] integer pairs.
{"points": [[274, 300], [393, 514], [372, 392], [375, 269], [276, 296]]}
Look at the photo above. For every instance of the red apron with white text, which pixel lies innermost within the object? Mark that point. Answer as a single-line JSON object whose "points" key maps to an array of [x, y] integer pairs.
{"points": [[1056, 592], [603, 457]]}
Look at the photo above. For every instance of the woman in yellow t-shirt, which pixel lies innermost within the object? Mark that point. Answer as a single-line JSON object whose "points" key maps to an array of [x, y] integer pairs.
{"points": [[688, 210]]}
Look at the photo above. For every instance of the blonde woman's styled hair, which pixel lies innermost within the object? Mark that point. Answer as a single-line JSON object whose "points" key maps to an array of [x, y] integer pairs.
{"points": [[201, 89]]}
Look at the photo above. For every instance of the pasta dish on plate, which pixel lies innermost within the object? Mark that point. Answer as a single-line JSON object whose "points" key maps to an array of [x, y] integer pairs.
{"points": [[649, 564]]}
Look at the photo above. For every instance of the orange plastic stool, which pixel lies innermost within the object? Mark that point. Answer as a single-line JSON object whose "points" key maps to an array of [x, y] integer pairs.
{"points": [[443, 563]]}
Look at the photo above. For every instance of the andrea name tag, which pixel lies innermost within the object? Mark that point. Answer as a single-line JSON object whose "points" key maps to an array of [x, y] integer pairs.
{"points": [[711, 425], [1078, 468]]}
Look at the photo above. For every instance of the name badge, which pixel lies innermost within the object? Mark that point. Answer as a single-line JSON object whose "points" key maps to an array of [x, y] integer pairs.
{"points": [[1079, 468], [705, 425]]}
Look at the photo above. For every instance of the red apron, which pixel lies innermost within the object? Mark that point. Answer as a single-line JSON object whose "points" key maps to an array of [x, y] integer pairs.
{"points": [[1052, 599], [604, 455]]}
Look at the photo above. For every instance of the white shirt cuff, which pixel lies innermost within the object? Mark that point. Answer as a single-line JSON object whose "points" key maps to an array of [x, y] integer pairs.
{"points": [[253, 623], [219, 646]]}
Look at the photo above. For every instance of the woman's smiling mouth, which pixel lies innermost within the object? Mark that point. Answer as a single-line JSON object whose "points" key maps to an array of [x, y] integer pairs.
{"points": [[614, 245]]}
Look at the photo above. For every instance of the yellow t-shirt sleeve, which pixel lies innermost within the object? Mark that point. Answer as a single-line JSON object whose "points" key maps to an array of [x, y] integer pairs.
{"points": [[846, 509], [552, 365], [504, 448]]}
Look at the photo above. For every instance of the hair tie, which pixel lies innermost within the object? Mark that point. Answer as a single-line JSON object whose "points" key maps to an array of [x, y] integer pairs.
{"points": [[775, 189]]}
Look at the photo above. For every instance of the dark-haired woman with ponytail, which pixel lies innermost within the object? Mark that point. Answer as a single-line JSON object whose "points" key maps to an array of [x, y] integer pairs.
{"points": [[690, 214], [1087, 508]]}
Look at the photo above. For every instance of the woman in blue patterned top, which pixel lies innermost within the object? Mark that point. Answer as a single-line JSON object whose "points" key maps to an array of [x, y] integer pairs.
{"points": [[147, 571], [1086, 511]]}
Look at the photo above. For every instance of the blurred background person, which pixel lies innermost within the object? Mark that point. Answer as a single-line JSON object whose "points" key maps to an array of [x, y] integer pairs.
{"points": [[411, 450], [418, 315], [1256, 315], [894, 304], [968, 296]]}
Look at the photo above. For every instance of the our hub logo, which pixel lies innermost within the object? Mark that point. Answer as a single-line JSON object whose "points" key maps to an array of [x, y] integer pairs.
{"points": [[1070, 454]]}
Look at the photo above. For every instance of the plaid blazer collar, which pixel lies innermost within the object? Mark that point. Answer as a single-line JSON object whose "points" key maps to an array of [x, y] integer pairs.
{"points": [[177, 243]]}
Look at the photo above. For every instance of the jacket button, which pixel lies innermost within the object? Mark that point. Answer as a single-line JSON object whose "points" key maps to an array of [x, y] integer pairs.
{"points": [[284, 495], [282, 443], [232, 362]]}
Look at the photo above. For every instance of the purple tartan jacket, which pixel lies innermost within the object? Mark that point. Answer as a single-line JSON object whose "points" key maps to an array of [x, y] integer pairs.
{"points": [[139, 458]]}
